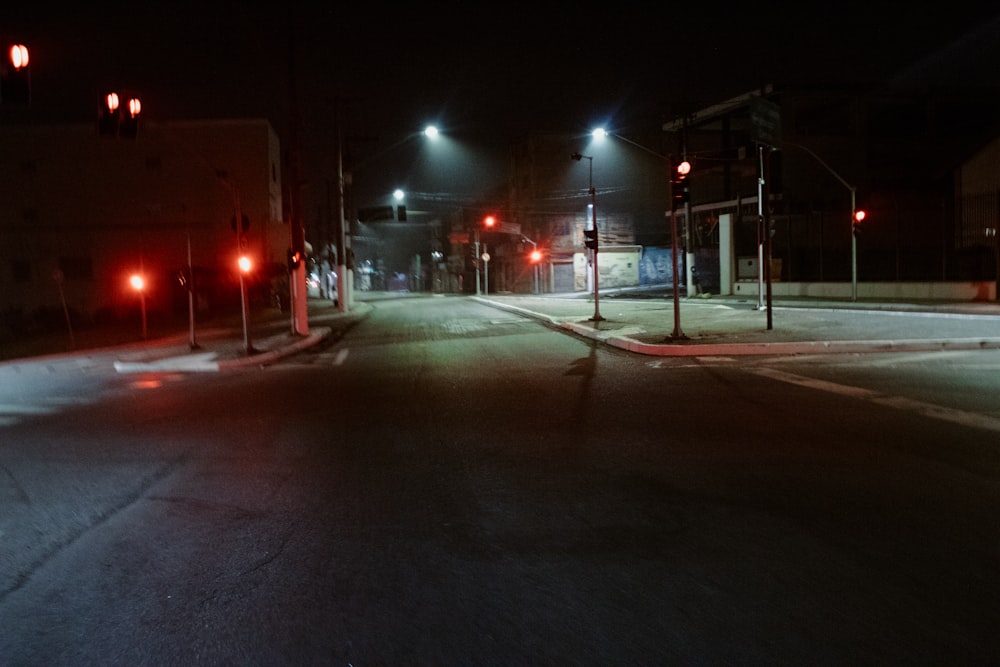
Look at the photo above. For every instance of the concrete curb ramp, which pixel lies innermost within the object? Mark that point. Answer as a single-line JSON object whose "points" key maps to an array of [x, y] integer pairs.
{"points": [[207, 362]]}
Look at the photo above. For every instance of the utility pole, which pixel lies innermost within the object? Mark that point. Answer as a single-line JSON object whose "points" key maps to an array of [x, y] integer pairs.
{"points": [[591, 236], [296, 189], [343, 286]]}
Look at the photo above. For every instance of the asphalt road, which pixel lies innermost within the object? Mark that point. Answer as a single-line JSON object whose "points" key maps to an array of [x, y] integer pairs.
{"points": [[447, 483]]}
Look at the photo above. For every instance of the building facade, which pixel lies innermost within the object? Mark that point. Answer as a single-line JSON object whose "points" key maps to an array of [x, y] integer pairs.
{"points": [[81, 212]]}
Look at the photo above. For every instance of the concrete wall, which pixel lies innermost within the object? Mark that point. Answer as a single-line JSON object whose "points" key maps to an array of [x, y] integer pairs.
{"points": [[890, 291]]}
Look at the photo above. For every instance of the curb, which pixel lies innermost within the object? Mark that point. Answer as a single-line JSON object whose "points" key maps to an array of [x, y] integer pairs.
{"points": [[264, 358], [694, 349]]}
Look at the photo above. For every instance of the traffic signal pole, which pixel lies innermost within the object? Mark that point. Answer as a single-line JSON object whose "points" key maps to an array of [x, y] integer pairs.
{"points": [[597, 290], [592, 241], [343, 280], [677, 334]]}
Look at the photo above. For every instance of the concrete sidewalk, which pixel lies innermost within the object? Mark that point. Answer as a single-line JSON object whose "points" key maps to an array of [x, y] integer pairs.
{"points": [[708, 327], [636, 321], [735, 326]]}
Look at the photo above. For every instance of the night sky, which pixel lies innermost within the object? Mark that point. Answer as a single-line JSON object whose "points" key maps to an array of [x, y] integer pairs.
{"points": [[486, 72]]}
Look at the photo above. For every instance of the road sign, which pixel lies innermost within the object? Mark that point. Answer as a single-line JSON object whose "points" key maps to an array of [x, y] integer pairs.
{"points": [[765, 118]]}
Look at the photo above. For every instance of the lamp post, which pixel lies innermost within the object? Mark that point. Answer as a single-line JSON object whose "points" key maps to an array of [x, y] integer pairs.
{"points": [[345, 236], [593, 244], [601, 134]]}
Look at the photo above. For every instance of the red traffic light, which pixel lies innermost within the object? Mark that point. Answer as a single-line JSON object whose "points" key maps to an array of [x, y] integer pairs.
{"points": [[137, 282], [15, 76], [244, 263], [536, 256], [859, 216], [683, 168], [17, 56], [489, 221]]}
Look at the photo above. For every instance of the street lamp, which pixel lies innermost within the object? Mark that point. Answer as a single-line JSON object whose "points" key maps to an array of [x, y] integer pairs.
{"points": [[678, 176], [345, 181], [593, 243]]}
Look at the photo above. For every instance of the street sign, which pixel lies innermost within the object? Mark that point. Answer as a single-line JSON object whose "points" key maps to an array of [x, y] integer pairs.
{"points": [[765, 119]]}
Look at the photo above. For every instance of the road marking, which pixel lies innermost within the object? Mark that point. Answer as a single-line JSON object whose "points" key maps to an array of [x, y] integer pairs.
{"points": [[690, 362], [202, 362], [25, 409], [961, 417], [341, 357]]}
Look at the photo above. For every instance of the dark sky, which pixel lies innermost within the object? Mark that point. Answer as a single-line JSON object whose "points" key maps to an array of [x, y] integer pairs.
{"points": [[485, 71]]}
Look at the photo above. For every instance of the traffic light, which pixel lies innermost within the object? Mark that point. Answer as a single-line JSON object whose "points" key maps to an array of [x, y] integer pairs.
{"points": [[15, 76], [536, 256], [590, 238], [129, 125], [115, 121], [856, 219], [107, 115], [489, 222], [244, 263], [294, 259], [680, 182]]}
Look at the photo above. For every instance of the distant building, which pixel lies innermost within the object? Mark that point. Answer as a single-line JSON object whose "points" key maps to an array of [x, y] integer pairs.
{"points": [[905, 156], [80, 212], [923, 162]]}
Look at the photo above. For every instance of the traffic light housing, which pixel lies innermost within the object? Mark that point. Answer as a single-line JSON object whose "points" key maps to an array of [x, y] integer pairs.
{"points": [[590, 238], [680, 173], [116, 120], [856, 219], [129, 124], [401, 213], [294, 259], [107, 115], [15, 76]]}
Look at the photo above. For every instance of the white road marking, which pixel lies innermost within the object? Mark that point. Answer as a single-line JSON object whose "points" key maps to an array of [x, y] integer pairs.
{"points": [[24, 409], [961, 417]]}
